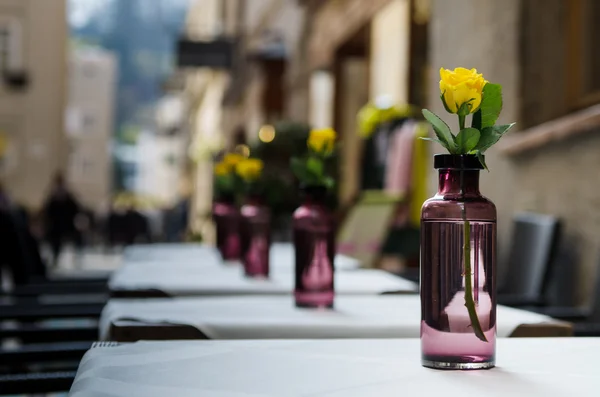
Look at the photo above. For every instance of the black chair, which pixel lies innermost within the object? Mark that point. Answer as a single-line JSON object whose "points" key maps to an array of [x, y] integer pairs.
{"points": [[68, 352], [43, 333], [36, 383], [586, 319], [21, 256], [34, 312], [534, 244]]}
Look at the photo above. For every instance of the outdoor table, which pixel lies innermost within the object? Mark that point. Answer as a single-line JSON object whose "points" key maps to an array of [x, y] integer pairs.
{"points": [[276, 317], [186, 280], [527, 367], [207, 257], [167, 251], [282, 255]]}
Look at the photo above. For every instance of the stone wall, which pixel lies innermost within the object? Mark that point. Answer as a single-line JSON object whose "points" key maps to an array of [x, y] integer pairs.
{"points": [[482, 34], [521, 50], [544, 64]]}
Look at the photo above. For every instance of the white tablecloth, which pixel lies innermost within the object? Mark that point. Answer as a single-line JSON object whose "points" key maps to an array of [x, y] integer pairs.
{"points": [[528, 367], [276, 317], [167, 251], [185, 280], [207, 257]]}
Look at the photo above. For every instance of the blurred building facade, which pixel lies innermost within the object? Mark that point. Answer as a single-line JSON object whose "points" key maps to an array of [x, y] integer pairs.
{"points": [[316, 62], [89, 125], [339, 54], [227, 107], [547, 64], [32, 95]]}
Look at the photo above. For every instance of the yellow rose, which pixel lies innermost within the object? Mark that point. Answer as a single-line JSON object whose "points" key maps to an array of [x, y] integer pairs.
{"points": [[461, 86], [322, 141], [222, 168], [231, 159], [249, 169]]}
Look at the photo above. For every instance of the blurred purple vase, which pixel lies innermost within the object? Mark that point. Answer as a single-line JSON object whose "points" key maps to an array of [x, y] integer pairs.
{"points": [[314, 245], [227, 219], [256, 238], [448, 340]]}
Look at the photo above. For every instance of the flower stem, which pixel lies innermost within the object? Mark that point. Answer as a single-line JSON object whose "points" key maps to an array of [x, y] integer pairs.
{"points": [[469, 302], [461, 122]]}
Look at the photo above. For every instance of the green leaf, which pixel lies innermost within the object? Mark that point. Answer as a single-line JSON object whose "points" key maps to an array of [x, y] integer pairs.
{"points": [[491, 104], [481, 159], [465, 108], [314, 166], [445, 105], [442, 131], [432, 140], [467, 139], [329, 182], [299, 169], [491, 135], [476, 121]]}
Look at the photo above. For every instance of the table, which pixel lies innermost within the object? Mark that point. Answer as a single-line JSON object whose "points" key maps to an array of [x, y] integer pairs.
{"points": [[167, 251], [186, 280], [527, 367], [276, 317], [281, 256]]}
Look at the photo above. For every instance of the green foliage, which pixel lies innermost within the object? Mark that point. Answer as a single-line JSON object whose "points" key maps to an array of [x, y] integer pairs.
{"points": [[491, 135], [465, 108], [310, 171], [467, 139], [227, 184], [314, 165], [481, 159], [491, 106], [442, 131]]}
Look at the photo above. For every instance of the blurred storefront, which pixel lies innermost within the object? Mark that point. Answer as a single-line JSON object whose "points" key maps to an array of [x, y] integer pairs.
{"points": [[354, 52], [32, 95], [230, 103], [89, 125], [314, 62]]}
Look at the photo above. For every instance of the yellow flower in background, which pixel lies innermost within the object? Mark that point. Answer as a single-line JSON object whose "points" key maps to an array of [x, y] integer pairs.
{"points": [[231, 159], [222, 168], [460, 86], [249, 169], [368, 119], [322, 141]]}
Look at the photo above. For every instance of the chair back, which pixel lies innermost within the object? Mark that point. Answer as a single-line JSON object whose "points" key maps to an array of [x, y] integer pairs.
{"points": [[595, 307], [535, 240], [366, 226]]}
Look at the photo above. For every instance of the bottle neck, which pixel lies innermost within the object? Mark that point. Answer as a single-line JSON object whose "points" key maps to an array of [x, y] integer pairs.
{"points": [[315, 196], [254, 199], [452, 183]]}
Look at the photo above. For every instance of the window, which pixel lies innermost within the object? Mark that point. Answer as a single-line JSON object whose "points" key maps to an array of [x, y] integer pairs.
{"points": [[583, 53]]}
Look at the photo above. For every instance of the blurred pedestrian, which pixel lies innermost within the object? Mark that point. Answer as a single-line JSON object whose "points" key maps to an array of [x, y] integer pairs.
{"points": [[60, 213]]}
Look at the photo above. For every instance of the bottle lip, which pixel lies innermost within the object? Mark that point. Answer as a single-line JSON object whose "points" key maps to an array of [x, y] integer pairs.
{"points": [[317, 192], [457, 161], [225, 197]]}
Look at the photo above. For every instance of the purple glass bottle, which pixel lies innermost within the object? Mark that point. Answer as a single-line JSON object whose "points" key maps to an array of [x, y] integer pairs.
{"points": [[256, 237], [227, 218], [314, 244], [448, 339]]}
